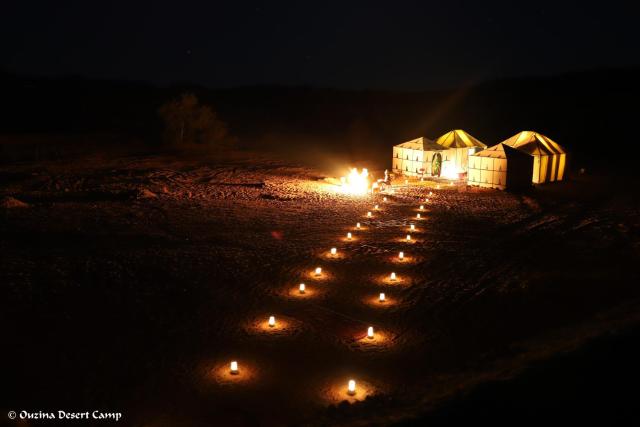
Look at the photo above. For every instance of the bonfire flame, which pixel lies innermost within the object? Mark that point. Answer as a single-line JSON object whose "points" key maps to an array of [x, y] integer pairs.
{"points": [[356, 182]]}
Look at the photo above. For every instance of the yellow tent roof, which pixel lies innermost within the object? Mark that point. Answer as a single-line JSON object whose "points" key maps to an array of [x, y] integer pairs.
{"points": [[498, 151], [534, 143], [421, 143], [458, 139]]}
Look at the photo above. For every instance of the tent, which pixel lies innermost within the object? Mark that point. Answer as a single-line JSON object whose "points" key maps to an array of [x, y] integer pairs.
{"points": [[458, 145], [414, 158], [501, 167], [549, 158]]}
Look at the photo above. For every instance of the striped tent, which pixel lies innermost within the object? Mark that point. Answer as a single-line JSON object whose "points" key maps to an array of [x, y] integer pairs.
{"points": [[459, 145], [549, 158]]}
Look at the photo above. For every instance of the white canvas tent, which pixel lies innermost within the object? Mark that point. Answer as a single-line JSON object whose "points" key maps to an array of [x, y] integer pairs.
{"points": [[501, 167], [413, 158], [549, 158], [458, 145]]}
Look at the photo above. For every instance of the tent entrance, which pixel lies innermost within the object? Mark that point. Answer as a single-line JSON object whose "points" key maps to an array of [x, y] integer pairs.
{"points": [[436, 164]]}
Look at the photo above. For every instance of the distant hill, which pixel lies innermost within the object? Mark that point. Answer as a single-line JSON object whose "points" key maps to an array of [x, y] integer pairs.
{"points": [[586, 112]]}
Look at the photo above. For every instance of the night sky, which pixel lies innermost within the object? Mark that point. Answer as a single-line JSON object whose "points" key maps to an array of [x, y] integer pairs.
{"points": [[388, 45]]}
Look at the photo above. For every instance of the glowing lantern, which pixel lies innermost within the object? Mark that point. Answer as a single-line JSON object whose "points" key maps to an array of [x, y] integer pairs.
{"points": [[376, 207], [384, 199], [401, 255], [234, 368], [421, 207], [351, 387], [358, 225], [370, 332], [369, 214], [318, 271], [418, 216], [382, 297], [302, 288], [272, 321], [426, 200], [412, 227], [334, 251], [392, 277], [408, 237], [430, 193], [349, 236]]}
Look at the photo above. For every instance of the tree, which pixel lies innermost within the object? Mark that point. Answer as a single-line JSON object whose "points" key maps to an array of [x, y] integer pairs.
{"points": [[186, 121]]}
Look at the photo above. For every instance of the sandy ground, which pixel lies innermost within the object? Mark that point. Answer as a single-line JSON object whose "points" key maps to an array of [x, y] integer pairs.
{"points": [[130, 285]]}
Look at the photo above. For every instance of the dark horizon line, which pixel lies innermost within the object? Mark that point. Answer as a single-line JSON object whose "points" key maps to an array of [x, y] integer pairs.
{"points": [[4, 72]]}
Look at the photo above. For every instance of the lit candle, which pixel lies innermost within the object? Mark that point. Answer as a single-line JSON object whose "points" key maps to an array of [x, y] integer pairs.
{"points": [[318, 271], [412, 227], [370, 332], [358, 225], [334, 251], [272, 321], [393, 276], [302, 288], [382, 297], [401, 255], [351, 388], [438, 186], [234, 368], [430, 193], [376, 207], [384, 199], [406, 181], [349, 236], [418, 216], [408, 237], [426, 200], [421, 207], [369, 214]]}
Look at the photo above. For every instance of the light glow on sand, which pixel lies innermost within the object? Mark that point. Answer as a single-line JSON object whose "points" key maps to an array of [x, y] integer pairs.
{"points": [[351, 387], [233, 368], [272, 321], [356, 183]]}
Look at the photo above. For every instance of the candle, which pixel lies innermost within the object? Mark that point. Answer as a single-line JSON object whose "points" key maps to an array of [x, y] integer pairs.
{"points": [[438, 186], [369, 214], [234, 368], [401, 255], [426, 200], [272, 321], [349, 236], [384, 199], [370, 332], [408, 237], [418, 216], [382, 297], [318, 271], [302, 288], [412, 227], [393, 276], [406, 181], [430, 193], [358, 225], [351, 387], [334, 251], [376, 207], [421, 207]]}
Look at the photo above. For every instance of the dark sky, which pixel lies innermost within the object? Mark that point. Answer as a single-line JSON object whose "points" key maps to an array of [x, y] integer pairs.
{"points": [[390, 44]]}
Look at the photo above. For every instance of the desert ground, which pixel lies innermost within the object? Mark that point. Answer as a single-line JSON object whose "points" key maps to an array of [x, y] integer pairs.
{"points": [[131, 283]]}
